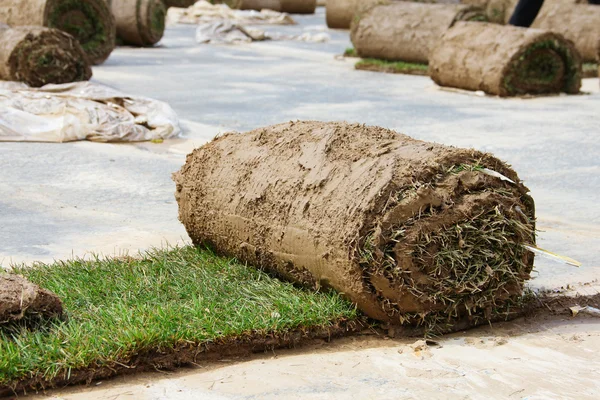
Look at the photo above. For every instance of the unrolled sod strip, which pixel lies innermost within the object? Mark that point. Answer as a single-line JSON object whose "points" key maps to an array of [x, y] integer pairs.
{"points": [[579, 23], [402, 31], [505, 60], [258, 5], [89, 21], [38, 56], [413, 232], [139, 22]]}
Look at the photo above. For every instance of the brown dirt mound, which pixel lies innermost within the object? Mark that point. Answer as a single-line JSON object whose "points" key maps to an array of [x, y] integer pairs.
{"points": [[401, 31], [579, 23], [505, 60], [88, 21], [139, 22], [21, 299], [412, 232], [38, 56]]}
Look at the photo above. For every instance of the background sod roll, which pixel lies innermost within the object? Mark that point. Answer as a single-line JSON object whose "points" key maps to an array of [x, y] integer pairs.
{"points": [[412, 232], [180, 3], [38, 56], [88, 21], [254, 4], [298, 6], [505, 60], [579, 23], [402, 31], [139, 22]]}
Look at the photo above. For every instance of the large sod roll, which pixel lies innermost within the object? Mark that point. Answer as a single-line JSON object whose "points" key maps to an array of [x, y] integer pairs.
{"points": [[139, 22], [38, 56], [89, 21], [412, 232], [339, 13], [258, 5], [579, 23], [505, 60], [299, 6], [402, 31]]}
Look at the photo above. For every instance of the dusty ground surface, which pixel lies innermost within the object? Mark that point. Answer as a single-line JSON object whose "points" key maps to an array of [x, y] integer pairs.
{"points": [[59, 200]]}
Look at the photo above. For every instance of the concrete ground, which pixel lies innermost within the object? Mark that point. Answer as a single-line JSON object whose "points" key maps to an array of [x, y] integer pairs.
{"points": [[74, 199]]}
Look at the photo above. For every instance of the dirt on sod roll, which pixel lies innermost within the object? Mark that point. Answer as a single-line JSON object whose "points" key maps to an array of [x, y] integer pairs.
{"points": [[258, 5], [139, 22], [38, 56], [505, 60], [21, 299], [88, 21], [412, 232], [402, 31], [579, 23]]}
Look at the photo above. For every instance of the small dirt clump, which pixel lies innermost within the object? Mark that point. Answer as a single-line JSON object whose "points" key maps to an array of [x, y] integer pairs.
{"points": [[414, 233], [21, 299]]}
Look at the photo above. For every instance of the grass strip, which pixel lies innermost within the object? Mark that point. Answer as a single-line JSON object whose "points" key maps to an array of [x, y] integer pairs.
{"points": [[166, 308], [394, 67], [590, 70]]}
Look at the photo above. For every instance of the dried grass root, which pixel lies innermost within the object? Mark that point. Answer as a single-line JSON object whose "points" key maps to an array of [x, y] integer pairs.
{"points": [[414, 233]]}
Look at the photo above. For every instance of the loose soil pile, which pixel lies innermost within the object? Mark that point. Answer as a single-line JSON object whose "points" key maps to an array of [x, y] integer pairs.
{"points": [[412, 232], [505, 60], [579, 23], [21, 299], [403, 31], [37, 56], [139, 22], [88, 21]]}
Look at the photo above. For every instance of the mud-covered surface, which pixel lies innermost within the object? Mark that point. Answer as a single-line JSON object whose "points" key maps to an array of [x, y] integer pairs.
{"points": [[23, 300], [505, 60]]}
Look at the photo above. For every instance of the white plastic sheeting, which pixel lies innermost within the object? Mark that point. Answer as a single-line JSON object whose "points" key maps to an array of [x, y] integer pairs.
{"points": [[81, 111]]}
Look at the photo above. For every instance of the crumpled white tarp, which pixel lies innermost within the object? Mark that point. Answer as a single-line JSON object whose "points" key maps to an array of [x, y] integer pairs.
{"points": [[81, 111], [228, 32], [203, 12]]}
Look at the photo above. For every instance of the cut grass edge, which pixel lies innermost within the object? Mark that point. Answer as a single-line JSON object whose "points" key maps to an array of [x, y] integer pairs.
{"points": [[394, 67]]}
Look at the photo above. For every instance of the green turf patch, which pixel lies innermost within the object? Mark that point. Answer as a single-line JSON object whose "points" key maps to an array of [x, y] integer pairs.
{"points": [[590, 70], [166, 308], [350, 52], [394, 67]]}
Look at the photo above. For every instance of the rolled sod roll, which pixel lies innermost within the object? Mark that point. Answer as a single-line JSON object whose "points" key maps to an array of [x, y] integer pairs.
{"points": [[412, 232], [402, 31], [38, 56], [258, 5], [299, 6], [579, 23], [88, 21], [20, 299], [505, 60], [139, 22], [339, 13]]}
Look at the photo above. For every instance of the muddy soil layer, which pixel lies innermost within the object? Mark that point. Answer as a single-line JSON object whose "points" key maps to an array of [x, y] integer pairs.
{"points": [[89, 21], [406, 31], [409, 231], [505, 60], [139, 22], [255, 4], [21, 299], [38, 56], [579, 23]]}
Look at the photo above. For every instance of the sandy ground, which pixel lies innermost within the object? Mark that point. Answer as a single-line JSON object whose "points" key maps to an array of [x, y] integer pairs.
{"points": [[74, 199]]}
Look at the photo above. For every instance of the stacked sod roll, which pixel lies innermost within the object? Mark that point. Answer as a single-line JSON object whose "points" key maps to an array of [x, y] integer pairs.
{"points": [[579, 23], [88, 21], [505, 60], [413, 232], [402, 31], [37, 56], [139, 22]]}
